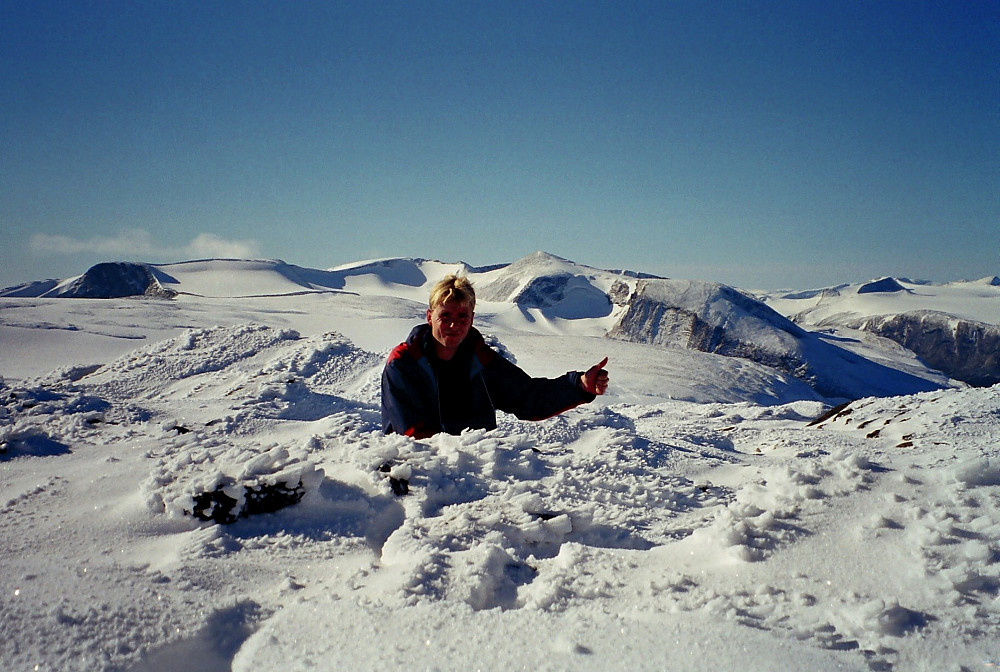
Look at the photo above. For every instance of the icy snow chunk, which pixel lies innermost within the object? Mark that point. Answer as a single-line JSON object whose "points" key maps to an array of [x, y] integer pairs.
{"points": [[329, 361]]}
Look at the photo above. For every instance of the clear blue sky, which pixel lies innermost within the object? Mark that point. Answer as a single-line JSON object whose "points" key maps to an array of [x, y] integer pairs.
{"points": [[761, 144]]}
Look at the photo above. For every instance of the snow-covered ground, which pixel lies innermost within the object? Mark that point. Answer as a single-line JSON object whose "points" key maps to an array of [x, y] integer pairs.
{"points": [[697, 517]]}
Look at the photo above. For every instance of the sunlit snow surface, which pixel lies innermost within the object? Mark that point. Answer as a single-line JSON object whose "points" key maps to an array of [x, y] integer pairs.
{"points": [[692, 519]]}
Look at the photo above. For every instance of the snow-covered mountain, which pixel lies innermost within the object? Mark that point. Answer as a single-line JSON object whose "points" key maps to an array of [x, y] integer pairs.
{"points": [[714, 318], [542, 289], [194, 478], [953, 327]]}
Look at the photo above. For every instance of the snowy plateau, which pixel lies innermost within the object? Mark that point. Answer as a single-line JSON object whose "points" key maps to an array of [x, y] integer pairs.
{"points": [[194, 477]]}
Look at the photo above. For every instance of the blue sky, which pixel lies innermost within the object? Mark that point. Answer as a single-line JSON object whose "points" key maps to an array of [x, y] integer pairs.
{"points": [[761, 144]]}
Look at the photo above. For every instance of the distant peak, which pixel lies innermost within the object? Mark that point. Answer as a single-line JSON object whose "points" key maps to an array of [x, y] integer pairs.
{"points": [[541, 255], [884, 285], [116, 279]]}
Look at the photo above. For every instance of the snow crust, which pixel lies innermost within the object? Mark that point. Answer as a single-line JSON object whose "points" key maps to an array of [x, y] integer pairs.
{"points": [[708, 513]]}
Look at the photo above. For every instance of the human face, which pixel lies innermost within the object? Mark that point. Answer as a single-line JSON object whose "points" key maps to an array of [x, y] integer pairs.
{"points": [[450, 322]]}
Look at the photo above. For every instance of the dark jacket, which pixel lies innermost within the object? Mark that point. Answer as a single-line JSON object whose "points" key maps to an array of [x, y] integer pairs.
{"points": [[411, 400]]}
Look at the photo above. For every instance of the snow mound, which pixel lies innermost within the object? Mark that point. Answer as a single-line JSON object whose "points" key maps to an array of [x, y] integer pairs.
{"points": [[264, 373], [149, 370], [404, 277], [925, 419], [38, 421], [32, 289], [232, 278], [395, 271], [490, 517]]}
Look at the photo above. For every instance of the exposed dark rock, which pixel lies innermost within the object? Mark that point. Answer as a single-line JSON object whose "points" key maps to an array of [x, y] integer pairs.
{"points": [[836, 411], [400, 486], [544, 291], [220, 507], [619, 293]]}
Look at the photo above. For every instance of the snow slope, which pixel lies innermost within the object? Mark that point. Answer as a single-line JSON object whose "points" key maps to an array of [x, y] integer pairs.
{"points": [[707, 513]]}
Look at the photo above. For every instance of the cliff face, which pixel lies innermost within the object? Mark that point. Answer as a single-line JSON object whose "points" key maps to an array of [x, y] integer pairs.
{"points": [[710, 318], [963, 349]]}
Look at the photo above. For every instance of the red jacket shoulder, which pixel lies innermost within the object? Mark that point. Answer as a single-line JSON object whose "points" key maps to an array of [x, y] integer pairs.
{"points": [[404, 350]]}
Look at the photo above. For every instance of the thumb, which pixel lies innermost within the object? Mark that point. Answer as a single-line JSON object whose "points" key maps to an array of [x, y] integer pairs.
{"points": [[601, 365]]}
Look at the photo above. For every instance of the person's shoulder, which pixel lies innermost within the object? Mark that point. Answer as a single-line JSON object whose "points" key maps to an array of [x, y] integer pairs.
{"points": [[411, 348], [401, 351]]}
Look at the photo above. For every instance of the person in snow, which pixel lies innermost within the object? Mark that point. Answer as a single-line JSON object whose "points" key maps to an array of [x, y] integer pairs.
{"points": [[445, 378]]}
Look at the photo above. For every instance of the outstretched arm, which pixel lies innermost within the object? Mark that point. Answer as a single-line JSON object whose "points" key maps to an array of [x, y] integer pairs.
{"points": [[513, 391]]}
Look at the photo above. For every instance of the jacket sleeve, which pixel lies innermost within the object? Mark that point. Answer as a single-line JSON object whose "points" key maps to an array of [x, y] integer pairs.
{"points": [[514, 391], [405, 409]]}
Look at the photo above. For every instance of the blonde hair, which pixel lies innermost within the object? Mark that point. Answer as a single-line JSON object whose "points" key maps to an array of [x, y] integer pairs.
{"points": [[453, 288]]}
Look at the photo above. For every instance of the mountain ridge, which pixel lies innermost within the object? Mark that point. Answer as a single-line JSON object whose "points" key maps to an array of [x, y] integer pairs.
{"points": [[793, 332]]}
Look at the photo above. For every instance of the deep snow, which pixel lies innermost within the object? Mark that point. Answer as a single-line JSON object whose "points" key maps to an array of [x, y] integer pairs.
{"points": [[694, 518]]}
